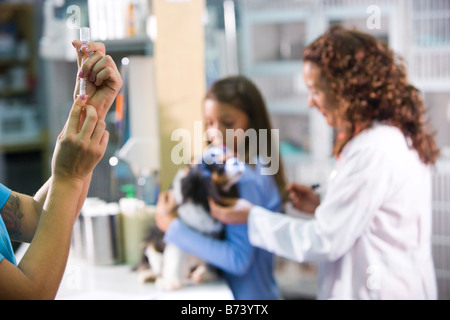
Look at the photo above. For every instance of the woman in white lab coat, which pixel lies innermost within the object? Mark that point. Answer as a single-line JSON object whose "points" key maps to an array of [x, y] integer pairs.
{"points": [[371, 233]]}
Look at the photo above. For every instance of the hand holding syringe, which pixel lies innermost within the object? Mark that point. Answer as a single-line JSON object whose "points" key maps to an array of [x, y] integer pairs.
{"points": [[98, 76]]}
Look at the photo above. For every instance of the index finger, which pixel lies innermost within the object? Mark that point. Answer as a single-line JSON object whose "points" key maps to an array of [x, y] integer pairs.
{"points": [[162, 198], [90, 123], [170, 197], [289, 187], [73, 121], [87, 48], [298, 188]]}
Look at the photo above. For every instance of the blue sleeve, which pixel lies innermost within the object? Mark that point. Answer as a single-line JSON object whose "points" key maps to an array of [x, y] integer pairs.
{"points": [[232, 255], [4, 195], [262, 191], [6, 250]]}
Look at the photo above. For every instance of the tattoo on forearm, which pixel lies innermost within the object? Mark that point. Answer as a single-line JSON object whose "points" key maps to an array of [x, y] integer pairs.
{"points": [[12, 216]]}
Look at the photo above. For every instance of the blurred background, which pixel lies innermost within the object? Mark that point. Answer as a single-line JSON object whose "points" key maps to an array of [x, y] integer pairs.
{"points": [[261, 39]]}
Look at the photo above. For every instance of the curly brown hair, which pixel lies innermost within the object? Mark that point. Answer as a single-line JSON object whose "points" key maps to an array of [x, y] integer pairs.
{"points": [[370, 84]]}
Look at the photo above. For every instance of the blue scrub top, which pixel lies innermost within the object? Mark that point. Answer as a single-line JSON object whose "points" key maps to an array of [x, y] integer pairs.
{"points": [[6, 250], [248, 270]]}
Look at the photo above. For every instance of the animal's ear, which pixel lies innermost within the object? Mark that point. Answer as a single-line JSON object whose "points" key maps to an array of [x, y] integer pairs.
{"points": [[195, 186]]}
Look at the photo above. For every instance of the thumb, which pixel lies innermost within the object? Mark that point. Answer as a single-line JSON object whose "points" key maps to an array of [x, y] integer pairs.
{"points": [[77, 45]]}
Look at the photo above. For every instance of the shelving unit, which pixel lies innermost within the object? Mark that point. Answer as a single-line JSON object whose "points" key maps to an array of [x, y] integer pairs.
{"points": [[430, 44], [181, 66], [60, 67], [117, 49], [274, 36], [23, 141], [59, 102], [140, 44], [430, 71], [441, 227]]}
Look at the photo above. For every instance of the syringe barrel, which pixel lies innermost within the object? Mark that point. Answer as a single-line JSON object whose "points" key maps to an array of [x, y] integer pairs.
{"points": [[85, 34], [85, 37]]}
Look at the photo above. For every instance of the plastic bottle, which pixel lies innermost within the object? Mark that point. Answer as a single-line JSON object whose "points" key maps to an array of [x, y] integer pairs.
{"points": [[145, 187], [136, 222]]}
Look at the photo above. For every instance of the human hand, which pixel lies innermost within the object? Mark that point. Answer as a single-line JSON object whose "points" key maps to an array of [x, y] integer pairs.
{"points": [[236, 213], [103, 78], [80, 147], [164, 211], [303, 197]]}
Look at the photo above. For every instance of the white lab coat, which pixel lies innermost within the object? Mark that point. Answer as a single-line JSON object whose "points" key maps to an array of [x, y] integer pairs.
{"points": [[371, 235]]}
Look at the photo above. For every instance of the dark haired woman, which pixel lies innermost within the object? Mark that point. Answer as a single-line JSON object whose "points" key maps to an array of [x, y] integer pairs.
{"points": [[235, 104], [371, 233]]}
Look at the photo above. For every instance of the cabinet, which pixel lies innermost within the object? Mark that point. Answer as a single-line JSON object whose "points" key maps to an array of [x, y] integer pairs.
{"points": [[23, 140], [178, 53], [430, 44], [59, 71], [273, 38], [430, 70], [59, 102]]}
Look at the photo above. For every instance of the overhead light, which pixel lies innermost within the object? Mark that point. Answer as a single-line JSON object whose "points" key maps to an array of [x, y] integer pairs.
{"points": [[113, 161]]}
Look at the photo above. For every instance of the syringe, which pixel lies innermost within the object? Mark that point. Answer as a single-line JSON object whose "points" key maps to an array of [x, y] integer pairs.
{"points": [[85, 37]]}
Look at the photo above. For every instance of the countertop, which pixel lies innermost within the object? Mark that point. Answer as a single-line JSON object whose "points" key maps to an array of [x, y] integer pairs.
{"points": [[83, 281]]}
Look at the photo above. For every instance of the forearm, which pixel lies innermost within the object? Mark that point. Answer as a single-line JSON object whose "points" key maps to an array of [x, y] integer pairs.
{"points": [[84, 193], [41, 195], [44, 263], [28, 211], [279, 234]]}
